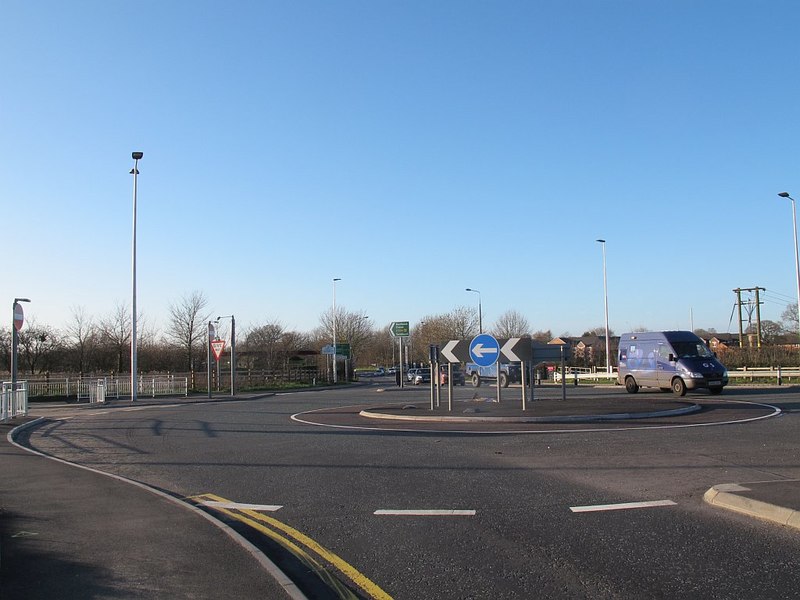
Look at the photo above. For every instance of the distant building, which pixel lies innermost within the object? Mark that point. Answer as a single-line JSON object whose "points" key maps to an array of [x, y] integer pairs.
{"points": [[585, 350]]}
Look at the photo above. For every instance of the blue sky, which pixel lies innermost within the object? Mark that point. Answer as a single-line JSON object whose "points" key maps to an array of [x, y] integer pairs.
{"points": [[412, 149]]}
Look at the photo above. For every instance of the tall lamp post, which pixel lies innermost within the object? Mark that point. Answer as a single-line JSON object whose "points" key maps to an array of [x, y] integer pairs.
{"points": [[480, 315], [16, 325], [335, 279], [605, 297], [135, 172], [796, 258]]}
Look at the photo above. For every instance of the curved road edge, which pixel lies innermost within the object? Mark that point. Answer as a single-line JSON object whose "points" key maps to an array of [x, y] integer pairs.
{"points": [[271, 568]]}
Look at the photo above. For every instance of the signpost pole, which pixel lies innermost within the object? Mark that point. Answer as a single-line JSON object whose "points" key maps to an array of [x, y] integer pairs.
{"points": [[433, 407], [450, 387], [208, 361], [16, 325], [522, 365], [402, 378], [233, 356]]}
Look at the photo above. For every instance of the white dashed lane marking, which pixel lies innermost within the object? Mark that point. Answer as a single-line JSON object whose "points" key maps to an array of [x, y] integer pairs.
{"points": [[425, 513], [621, 506]]}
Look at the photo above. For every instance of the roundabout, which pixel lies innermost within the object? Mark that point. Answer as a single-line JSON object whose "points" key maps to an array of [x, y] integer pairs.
{"points": [[590, 410]]}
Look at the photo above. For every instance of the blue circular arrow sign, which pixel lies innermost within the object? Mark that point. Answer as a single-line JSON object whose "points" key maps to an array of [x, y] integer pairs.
{"points": [[484, 350]]}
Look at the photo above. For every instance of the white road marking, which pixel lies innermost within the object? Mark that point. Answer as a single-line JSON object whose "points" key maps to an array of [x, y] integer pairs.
{"points": [[240, 506], [621, 506], [426, 513]]}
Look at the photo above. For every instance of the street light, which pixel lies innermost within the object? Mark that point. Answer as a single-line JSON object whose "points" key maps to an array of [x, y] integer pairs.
{"points": [[335, 279], [480, 315], [135, 172], [796, 259], [15, 339], [605, 296]]}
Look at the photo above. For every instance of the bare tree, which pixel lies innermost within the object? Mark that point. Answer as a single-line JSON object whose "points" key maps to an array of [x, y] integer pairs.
{"points": [[511, 324], [82, 335], [264, 342], [351, 328], [790, 318], [115, 336], [38, 345], [461, 323], [186, 320]]}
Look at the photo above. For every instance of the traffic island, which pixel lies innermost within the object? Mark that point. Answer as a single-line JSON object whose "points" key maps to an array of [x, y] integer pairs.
{"points": [[486, 410]]}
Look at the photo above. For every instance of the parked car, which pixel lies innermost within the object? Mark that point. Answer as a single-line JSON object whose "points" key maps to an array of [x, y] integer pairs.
{"points": [[422, 376], [458, 375]]}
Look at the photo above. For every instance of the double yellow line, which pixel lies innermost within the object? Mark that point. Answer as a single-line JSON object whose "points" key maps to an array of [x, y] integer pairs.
{"points": [[301, 546]]}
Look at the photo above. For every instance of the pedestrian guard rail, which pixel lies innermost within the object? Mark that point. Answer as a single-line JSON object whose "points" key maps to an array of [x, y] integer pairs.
{"points": [[777, 375], [89, 388], [13, 402]]}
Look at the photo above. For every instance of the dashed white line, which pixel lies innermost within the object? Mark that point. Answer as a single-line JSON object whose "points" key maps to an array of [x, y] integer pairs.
{"points": [[621, 506], [426, 513]]}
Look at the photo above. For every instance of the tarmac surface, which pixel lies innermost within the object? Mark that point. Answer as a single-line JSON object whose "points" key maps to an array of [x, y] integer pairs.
{"points": [[68, 532]]}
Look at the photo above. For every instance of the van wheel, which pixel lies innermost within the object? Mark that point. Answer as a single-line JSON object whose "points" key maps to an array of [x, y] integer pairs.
{"points": [[476, 380], [678, 387], [631, 386], [504, 380]]}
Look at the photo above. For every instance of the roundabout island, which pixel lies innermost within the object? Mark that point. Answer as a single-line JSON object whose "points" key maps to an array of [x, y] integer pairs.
{"points": [[588, 409]]}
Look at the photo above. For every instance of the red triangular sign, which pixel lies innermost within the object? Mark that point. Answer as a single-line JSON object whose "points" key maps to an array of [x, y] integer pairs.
{"points": [[217, 346]]}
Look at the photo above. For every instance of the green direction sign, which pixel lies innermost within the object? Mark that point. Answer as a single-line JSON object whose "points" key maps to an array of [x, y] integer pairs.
{"points": [[343, 350], [399, 329]]}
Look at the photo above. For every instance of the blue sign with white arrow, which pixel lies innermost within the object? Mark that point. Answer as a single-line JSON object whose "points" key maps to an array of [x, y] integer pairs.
{"points": [[484, 350]]}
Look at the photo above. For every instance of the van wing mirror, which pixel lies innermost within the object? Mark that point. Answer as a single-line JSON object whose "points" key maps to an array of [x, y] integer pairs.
{"points": [[671, 357]]}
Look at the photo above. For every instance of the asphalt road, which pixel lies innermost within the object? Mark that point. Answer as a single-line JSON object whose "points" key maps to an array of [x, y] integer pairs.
{"points": [[515, 528]]}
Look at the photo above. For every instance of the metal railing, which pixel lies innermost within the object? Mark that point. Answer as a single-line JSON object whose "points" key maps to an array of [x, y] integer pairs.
{"points": [[113, 387], [767, 375], [13, 402]]}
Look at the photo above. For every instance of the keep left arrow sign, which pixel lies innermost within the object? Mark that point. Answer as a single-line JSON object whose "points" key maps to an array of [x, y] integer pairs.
{"points": [[447, 351], [516, 349], [480, 350], [508, 350]]}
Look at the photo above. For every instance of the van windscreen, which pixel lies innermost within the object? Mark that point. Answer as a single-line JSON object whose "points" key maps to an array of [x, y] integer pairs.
{"points": [[692, 350]]}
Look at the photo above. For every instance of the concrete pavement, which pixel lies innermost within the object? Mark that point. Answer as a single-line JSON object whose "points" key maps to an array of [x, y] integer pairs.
{"points": [[68, 532]]}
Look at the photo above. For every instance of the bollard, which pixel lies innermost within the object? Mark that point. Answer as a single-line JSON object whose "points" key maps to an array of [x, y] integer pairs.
{"points": [[780, 379], [576, 378]]}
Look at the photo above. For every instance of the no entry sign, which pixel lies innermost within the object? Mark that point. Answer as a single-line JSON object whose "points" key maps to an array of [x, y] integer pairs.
{"points": [[19, 316]]}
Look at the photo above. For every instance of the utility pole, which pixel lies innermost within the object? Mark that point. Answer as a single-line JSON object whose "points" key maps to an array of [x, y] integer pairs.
{"points": [[749, 303]]}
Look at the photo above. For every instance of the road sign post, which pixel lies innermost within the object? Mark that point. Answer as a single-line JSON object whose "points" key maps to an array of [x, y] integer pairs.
{"points": [[484, 350], [19, 319], [217, 348], [399, 330]]}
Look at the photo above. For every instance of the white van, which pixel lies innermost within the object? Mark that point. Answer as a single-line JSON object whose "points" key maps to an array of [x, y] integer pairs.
{"points": [[669, 360]]}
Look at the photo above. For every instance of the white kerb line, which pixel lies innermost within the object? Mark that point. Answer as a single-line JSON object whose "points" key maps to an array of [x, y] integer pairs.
{"points": [[621, 506]]}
